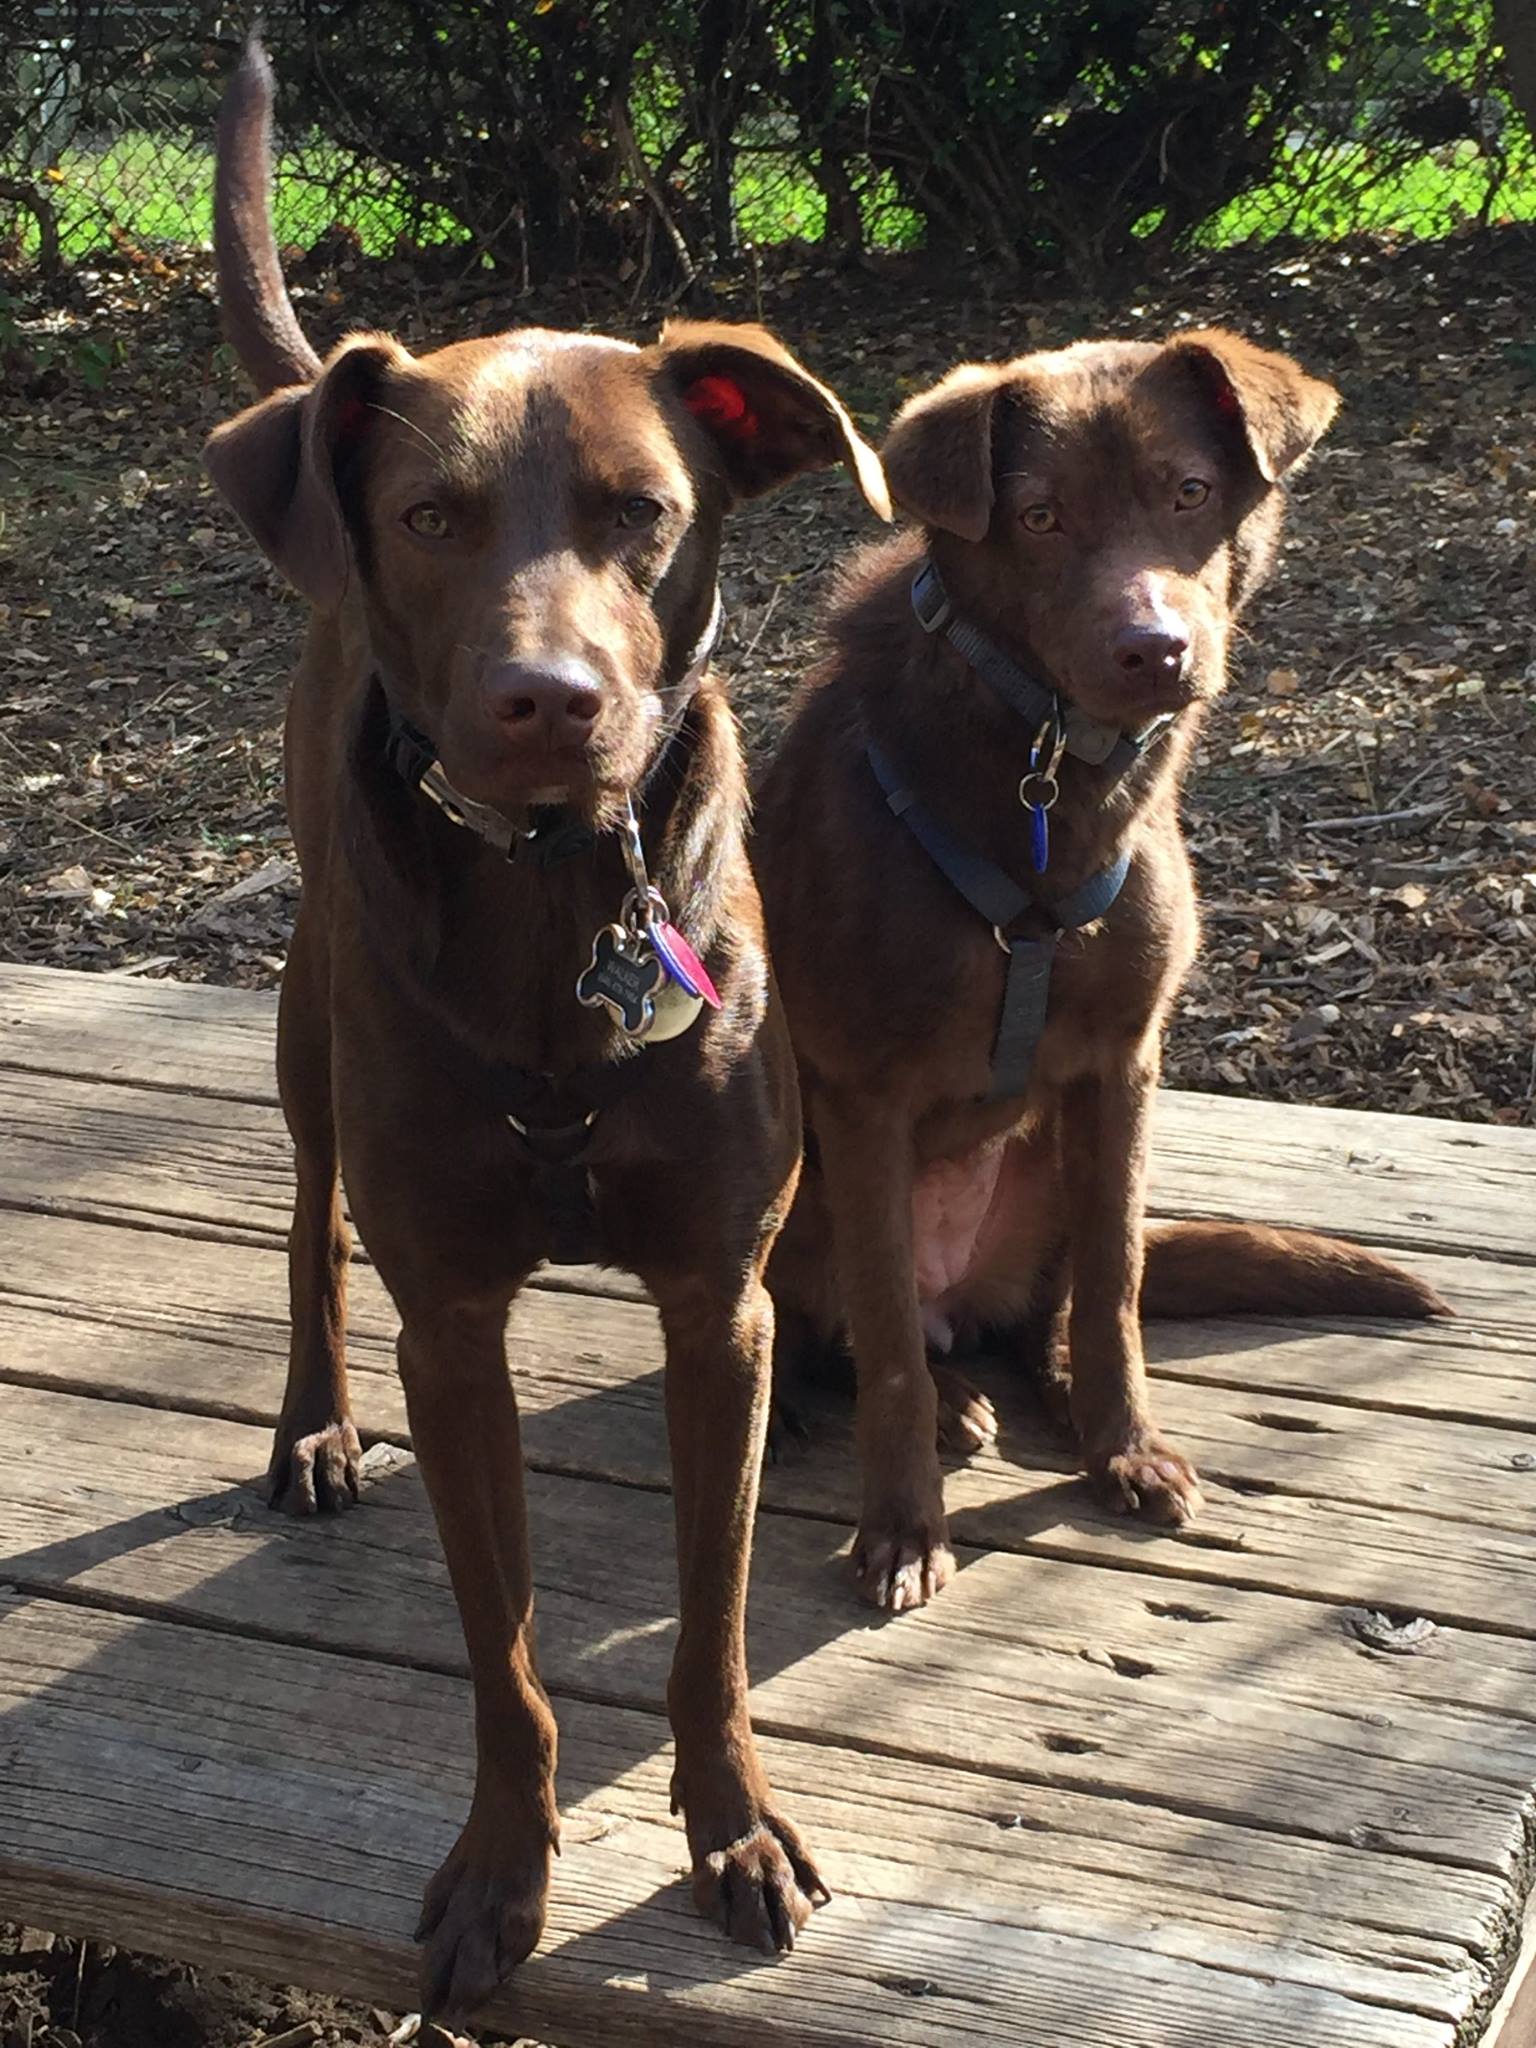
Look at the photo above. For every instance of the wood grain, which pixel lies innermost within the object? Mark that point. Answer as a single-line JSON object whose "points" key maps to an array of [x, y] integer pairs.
{"points": [[309, 1794], [1116, 1787], [1327, 1501], [1230, 1735], [1410, 1182]]}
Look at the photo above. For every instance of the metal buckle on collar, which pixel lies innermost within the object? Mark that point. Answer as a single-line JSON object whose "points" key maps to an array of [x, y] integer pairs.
{"points": [[932, 617], [438, 793], [493, 826], [1039, 787]]}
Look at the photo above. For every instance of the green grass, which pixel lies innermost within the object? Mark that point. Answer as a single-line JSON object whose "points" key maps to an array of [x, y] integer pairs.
{"points": [[156, 190], [777, 200], [1328, 193]]}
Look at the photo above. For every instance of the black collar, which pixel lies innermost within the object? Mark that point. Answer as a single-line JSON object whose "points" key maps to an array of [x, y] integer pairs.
{"points": [[1103, 746], [544, 833]]}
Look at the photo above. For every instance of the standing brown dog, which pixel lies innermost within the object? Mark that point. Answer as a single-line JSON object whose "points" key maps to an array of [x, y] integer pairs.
{"points": [[980, 905], [510, 545]]}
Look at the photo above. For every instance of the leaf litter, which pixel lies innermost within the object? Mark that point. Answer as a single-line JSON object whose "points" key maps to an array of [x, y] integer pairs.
{"points": [[1363, 814]]}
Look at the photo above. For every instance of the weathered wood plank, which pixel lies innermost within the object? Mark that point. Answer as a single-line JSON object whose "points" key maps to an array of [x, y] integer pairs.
{"points": [[1214, 1729], [1328, 1501], [204, 1330], [308, 1795], [1412, 1182], [1248, 1727], [1481, 1367], [183, 1036], [1404, 1181], [143, 1156]]}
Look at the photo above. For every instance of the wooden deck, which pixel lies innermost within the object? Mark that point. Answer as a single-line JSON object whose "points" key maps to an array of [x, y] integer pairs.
{"points": [[1117, 1789]]}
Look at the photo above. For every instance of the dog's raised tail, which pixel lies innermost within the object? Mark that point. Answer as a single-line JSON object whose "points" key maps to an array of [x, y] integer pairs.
{"points": [[259, 320], [1216, 1269]]}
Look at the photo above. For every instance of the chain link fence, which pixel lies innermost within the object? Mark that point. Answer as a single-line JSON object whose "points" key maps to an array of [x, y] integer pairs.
{"points": [[106, 140], [660, 140]]}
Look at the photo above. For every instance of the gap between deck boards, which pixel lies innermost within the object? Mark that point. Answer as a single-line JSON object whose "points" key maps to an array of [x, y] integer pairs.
{"points": [[1310, 1498], [1088, 1782]]}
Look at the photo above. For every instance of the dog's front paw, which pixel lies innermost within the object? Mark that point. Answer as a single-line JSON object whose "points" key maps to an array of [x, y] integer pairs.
{"points": [[788, 1436], [901, 1560], [481, 1916], [761, 1888], [1149, 1477], [316, 1473], [967, 1419]]}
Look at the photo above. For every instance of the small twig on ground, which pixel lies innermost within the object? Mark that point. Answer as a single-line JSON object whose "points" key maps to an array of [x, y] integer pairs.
{"points": [[763, 624], [1369, 819], [74, 2016], [1365, 769], [96, 832], [1413, 782]]}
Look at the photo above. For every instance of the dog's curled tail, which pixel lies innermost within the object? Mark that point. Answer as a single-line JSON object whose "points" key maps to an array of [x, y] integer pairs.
{"points": [[1216, 1269], [259, 319]]}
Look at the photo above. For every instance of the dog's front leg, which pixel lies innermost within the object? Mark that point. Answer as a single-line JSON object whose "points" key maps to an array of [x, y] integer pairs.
{"points": [[315, 1452], [484, 1910], [901, 1555], [751, 1872], [1105, 1125]]}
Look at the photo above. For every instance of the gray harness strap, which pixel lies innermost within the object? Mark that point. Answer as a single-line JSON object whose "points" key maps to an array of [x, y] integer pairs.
{"points": [[999, 899]]}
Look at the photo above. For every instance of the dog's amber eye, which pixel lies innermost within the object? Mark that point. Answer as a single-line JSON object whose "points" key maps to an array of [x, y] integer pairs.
{"points": [[1192, 492], [427, 521], [638, 513], [1040, 519]]}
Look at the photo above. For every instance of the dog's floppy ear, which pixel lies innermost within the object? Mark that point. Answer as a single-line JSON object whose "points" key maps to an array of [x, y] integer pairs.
{"points": [[276, 465], [1282, 411], [766, 414], [938, 454]]}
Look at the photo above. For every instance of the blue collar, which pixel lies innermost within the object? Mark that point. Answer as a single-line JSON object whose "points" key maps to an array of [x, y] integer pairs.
{"points": [[1102, 746]]}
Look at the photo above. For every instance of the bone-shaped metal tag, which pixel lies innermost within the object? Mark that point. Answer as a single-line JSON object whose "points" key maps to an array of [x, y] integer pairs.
{"points": [[622, 978]]}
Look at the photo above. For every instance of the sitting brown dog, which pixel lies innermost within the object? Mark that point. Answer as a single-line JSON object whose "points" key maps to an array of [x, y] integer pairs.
{"points": [[980, 906], [527, 1007]]}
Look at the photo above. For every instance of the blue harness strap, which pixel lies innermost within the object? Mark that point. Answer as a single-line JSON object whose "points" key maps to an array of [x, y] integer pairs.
{"points": [[1102, 746], [999, 899]]}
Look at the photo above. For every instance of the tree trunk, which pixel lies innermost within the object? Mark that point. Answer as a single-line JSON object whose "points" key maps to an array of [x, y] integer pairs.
{"points": [[34, 201], [1514, 23]]}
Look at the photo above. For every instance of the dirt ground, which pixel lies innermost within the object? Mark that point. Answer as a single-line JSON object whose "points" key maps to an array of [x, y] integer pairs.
{"points": [[71, 1994], [1363, 818]]}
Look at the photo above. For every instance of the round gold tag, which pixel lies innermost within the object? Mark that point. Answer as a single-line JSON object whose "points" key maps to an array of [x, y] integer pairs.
{"points": [[675, 1011]]}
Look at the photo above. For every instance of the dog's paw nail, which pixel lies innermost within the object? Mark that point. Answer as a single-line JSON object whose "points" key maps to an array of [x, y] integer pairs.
{"points": [[761, 1889], [903, 1571], [478, 1922], [317, 1473]]}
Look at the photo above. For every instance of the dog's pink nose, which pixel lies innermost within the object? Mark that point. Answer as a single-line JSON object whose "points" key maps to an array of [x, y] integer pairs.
{"points": [[1153, 654], [546, 704]]}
